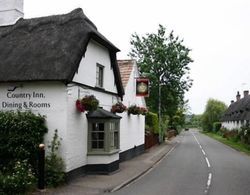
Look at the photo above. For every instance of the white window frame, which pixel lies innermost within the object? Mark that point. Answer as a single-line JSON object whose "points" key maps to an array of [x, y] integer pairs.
{"points": [[99, 75]]}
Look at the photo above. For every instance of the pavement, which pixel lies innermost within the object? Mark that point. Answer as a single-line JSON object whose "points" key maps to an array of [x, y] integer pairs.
{"points": [[128, 172]]}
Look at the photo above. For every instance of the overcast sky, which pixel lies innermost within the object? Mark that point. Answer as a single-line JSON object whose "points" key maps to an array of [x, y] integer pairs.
{"points": [[217, 31]]}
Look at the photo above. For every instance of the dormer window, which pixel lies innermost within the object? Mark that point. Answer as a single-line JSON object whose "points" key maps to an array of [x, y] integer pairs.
{"points": [[99, 75]]}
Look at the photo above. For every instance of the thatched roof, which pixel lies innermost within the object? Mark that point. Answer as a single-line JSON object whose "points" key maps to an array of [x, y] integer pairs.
{"points": [[49, 48], [238, 111]]}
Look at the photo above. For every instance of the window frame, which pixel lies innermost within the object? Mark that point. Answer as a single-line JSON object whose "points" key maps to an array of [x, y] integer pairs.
{"points": [[108, 147], [99, 75]]}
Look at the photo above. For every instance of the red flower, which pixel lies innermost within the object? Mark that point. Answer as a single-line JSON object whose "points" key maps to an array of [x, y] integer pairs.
{"points": [[79, 106]]}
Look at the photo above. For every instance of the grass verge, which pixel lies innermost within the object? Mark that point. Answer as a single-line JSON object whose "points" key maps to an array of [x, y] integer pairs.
{"points": [[236, 145]]}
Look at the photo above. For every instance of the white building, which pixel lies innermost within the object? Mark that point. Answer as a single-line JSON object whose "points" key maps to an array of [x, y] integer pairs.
{"points": [[46, 64], [238, 112], [132, 129]]}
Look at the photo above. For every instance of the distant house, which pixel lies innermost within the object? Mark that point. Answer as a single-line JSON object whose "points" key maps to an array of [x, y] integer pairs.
{"points": [[238, 112], [46, 64], [132, 130]]}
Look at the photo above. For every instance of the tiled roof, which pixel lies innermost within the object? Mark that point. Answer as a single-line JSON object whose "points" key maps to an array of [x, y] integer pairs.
{"points": [[126, 67]]}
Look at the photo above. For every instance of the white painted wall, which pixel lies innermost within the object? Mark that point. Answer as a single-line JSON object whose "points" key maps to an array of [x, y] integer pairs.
{"points": [[77, 133], [233, 125], [58, 105], [87, 70], [132, 127], [52, 103]]}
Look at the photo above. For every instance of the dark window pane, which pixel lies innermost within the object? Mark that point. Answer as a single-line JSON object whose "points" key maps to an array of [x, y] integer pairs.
{"points": [[101, 136], [116, 140], [94, 145], [94, 136], [101, 144], [101, 126]]}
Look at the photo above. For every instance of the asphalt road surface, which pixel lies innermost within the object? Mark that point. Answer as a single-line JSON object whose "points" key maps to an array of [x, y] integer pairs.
{"points": [[197, 165]]}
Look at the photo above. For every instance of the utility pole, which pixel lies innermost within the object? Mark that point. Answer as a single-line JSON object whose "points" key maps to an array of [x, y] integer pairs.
{"points": [[159, 109]]}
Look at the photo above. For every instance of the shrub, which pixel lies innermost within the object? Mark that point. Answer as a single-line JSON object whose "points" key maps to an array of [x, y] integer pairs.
{"points": [[152, 122], [21, 133], [245, 134], [216, 126], [18, 179], [54, 164]]}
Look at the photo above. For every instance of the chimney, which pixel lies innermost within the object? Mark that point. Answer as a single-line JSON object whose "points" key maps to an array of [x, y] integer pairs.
{"points": [[10, 11], [232, 101], [238, 96], [246, 93]]}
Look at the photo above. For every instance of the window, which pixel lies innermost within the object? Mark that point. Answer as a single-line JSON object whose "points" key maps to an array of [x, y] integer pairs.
{"points": [[114, 135], [103, 136], [103, 132], [99, 75], [97, 136]]}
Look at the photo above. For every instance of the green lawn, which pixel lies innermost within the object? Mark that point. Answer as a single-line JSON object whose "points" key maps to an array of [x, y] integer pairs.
{"points": [[236, 145]]}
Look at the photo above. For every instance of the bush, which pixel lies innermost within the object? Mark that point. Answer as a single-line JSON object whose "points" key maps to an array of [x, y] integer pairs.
{"points": [[216, 126], [17, 180], [152, 122], [21, 133], [245, 134], [54, 164]]}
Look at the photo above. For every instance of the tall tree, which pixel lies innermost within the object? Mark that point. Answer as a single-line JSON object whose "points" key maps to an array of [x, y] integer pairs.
{"points": [[164, 59], [213, 113]]}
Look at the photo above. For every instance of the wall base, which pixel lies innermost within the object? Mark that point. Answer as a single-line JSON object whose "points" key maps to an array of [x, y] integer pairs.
{"points": [[131, 153], [92, 169]]}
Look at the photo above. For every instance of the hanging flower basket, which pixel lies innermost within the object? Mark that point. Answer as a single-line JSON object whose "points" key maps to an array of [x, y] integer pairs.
{"points": [[135, 110], [143, 111], [119, 107], [87, 103], [79, 106]]}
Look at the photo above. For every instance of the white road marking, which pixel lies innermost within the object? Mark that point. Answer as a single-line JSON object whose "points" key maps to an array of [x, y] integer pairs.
{"points": [[208, 182], [208, 164], [209, 179]]}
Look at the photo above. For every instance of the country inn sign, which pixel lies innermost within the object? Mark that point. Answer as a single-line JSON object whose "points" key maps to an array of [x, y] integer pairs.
{"points": [[23, 101], [47, 64]]}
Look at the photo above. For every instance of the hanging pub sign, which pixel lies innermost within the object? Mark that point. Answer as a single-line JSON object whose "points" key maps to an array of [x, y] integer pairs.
{"points": [[142, 87]]}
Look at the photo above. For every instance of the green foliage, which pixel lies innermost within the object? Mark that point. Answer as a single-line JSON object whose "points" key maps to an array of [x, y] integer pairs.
{"points": [[232, 142], [245, 134], [178, 120], [54, 164], [21, 133], [213, 113], [216, 126], [193, 121], [164, 59], [18, 179], [152, 122]]}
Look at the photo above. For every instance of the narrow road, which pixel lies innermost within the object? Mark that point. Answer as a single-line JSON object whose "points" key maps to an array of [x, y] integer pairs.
{"points": [[198, 165]]}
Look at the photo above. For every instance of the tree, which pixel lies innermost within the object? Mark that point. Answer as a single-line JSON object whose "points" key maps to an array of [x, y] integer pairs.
{"points": [[164, 59], [213, 113]]}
